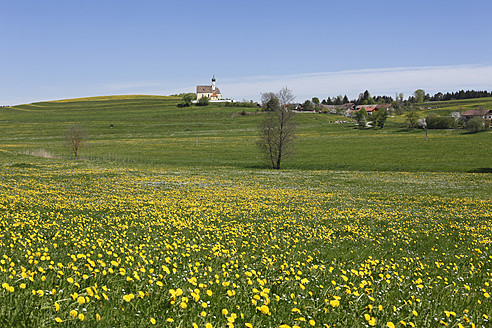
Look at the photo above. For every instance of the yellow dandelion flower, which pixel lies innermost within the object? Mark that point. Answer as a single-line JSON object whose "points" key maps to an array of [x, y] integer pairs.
{"points": [[128, 297], [264, 309], [335, 303], [153, 321]]}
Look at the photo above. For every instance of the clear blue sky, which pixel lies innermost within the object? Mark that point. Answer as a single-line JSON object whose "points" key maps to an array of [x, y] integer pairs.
{"points": [[63, 49]]}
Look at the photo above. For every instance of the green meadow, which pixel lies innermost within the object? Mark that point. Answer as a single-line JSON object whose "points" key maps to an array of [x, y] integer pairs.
{"points": [[170, 218], [153, 130]]}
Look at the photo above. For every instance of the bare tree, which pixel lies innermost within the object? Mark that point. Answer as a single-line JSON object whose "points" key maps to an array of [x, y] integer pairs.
{"points": [[285, 97], [277, 130], [76, 137]]}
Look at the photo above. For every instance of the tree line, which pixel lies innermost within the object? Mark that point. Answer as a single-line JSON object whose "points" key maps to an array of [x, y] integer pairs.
{"points": [[418, 96], [469, 94]]}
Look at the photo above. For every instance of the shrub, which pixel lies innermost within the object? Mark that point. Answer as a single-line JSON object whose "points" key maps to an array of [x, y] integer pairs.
{"points": [[474, 124], [203, 101], [440, 122]]}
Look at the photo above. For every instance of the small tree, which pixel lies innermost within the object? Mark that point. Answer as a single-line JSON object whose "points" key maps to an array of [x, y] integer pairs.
{"points": [[361, 117], [412, 119], [203, 101], [419, 95], [474, 124], [422, 123], [380, 118], [76, 137], [266, 97], [277, 130], [187, 99], [307, 106], [315, 100], [272, 104]]}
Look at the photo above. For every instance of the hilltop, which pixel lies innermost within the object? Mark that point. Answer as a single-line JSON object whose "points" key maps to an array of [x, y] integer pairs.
{"points": [[153, 130]]}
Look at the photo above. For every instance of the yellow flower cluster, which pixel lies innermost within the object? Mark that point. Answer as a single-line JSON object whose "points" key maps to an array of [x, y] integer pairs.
{"points": [[133, 248]]}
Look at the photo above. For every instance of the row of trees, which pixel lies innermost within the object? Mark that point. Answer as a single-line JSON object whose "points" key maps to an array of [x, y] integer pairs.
{"points": [[364, 98], [419, 96], [469, 94]]}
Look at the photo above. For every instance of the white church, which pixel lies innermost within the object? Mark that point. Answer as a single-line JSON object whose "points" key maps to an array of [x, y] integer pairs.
{"points": [[209, 91]]}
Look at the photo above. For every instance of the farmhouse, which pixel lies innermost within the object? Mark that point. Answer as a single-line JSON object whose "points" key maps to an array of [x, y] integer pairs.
{"points": [[209, 91], [370, 109], [486, 114]]}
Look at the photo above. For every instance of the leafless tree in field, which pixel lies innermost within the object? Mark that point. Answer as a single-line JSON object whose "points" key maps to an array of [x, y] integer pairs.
{"points": [[76, 137], [277, 130]]}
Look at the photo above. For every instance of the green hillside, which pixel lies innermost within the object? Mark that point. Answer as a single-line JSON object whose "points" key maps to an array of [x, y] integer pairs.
{"points": [[153, 130]]}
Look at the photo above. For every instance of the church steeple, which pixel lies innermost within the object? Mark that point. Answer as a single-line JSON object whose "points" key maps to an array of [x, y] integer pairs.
{"points": [[213, 83]]}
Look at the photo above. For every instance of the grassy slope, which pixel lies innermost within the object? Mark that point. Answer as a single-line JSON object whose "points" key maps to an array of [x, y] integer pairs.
{"points": [[153, 130]]}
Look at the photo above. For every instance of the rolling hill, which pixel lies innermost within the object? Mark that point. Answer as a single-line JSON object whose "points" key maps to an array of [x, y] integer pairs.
{"points": [[153, 130]]}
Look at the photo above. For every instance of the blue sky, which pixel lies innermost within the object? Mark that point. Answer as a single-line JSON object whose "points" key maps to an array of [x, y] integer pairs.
{"points": [[64, 49]]}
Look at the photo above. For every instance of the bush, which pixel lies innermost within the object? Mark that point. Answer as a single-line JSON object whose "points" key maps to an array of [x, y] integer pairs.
{"points": [[440, 122], [203, 101], [474, 124], [307, 106], [187, 99]]}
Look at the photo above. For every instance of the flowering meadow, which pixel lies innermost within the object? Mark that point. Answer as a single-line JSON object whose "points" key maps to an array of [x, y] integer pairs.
{"points": [[87, 245]]}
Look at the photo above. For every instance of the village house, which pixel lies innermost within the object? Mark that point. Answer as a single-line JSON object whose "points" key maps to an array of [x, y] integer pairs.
{"points": [[368, 108], [209, 91], [485, 114]]}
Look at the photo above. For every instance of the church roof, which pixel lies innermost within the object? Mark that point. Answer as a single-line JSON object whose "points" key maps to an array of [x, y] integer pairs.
{"points": [[206, 89]]}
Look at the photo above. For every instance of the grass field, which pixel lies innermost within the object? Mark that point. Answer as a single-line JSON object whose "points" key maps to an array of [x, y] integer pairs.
{"points": [[152, 130], [87, 244], [363, 229]]}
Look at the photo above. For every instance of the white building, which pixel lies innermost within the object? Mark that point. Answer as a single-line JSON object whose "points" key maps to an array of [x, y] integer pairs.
{"points": [[210, 91]]}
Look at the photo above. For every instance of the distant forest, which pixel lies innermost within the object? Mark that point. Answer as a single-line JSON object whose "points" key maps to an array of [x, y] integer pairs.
{"points": [[469, 94], [419, 96]]}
